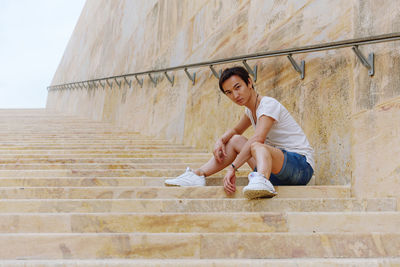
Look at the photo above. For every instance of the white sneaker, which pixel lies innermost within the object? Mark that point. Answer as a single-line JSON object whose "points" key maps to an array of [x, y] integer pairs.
{"points": [[188, 178], [258, 186]]}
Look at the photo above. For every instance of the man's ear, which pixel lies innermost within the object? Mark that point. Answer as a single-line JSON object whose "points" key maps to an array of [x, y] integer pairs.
{"points": [[251, 83]]}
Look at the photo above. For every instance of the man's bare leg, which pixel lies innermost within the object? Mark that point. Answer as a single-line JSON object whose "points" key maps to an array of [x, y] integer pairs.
{"points": [[232, 148], [269, 159]]}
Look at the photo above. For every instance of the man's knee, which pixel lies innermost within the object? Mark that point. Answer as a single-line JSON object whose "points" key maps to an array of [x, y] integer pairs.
{"points": [[236, 142], [236, 139], [256, 145]]}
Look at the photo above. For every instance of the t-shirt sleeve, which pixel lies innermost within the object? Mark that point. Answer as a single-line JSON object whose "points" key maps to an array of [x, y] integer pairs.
{"points": [[269, 107]]}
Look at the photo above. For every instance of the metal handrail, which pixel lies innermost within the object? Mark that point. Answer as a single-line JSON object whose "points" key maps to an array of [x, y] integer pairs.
{"points": [[354, 43]]}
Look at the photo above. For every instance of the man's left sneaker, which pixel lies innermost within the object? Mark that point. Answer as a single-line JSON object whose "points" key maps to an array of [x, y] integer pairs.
{"points": [[188, 178]]}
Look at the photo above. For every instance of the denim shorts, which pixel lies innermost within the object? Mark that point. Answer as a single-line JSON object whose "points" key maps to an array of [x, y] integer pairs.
{"points": [[295, 170]]}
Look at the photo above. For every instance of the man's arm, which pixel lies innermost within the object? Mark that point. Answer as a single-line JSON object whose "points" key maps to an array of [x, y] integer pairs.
{"points": [[264, 124], [219, 148]]}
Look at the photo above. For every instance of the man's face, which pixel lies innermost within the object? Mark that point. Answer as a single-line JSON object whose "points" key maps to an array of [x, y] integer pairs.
{"points": [[237, 90]]}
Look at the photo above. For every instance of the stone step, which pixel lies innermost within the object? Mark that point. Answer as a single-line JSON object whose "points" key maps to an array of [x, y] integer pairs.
{"points": [[52, 124], [74, 142], [71, 133], [121, 155], [54, 129], [57, 117], [67, 146], [79, 140], [217, 222], [27, 111], [73, 138], [43, 134], [104, 173], [50, 118], [69, 160], [176, 148], [206, 192], [65, 129], [293, 262], [101, 166], [38, 136], [46, 122], [279, 204], [107, 181], [42, 114], [198, 245], [144, 151], [45, 126]]}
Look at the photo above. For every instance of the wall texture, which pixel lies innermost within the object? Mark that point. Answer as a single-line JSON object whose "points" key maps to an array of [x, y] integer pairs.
{"points": [[351, 119], [376, 105]]}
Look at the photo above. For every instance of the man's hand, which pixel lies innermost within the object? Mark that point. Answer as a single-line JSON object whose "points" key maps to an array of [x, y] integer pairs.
{"points": [[219, 151], [230, 181]]}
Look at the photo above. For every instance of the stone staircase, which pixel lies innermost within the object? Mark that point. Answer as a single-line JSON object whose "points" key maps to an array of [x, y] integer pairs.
{"points": [[74, 192]]}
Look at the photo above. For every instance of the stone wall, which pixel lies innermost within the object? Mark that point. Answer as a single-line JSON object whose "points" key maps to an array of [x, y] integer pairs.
{"points": [[376, 105], [347, 115]]}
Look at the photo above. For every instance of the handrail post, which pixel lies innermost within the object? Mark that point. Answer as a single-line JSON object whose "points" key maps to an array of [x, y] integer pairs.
{"points": [[368, 63], [128, 83], [169, 78], [118, 83], [300, 69], [192, 78], [216, 74], [103, 85], [139, 81], [252, 72], [109, 84], [154, 80]]}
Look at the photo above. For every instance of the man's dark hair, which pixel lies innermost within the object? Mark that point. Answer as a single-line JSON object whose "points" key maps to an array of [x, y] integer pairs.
{"points": [[229, 72]]}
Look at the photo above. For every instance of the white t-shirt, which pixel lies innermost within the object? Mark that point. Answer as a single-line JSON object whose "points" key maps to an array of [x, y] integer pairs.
{"points": [[285, 133]]}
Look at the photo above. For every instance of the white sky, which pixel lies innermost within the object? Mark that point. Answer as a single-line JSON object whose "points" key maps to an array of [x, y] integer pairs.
{"points": [[33, 37]]}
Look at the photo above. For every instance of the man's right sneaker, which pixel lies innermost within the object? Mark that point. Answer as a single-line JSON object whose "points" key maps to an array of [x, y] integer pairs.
{"points": [[188, 178], [258, 186]]}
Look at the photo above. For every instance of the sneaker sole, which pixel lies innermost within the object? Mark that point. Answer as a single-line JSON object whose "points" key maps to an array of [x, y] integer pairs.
{"points": [[251, 194], [177, 185], [172, 185]]}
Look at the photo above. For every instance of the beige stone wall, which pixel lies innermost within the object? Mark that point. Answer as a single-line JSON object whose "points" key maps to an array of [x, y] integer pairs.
{"points": [[376, 105], [335, 104]]}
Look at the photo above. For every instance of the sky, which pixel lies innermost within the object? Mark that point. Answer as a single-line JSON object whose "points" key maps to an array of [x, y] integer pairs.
{"points": [[33, 37]]}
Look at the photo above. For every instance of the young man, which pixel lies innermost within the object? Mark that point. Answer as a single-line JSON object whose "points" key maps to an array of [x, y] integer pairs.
{"points": [[278, 152]]}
